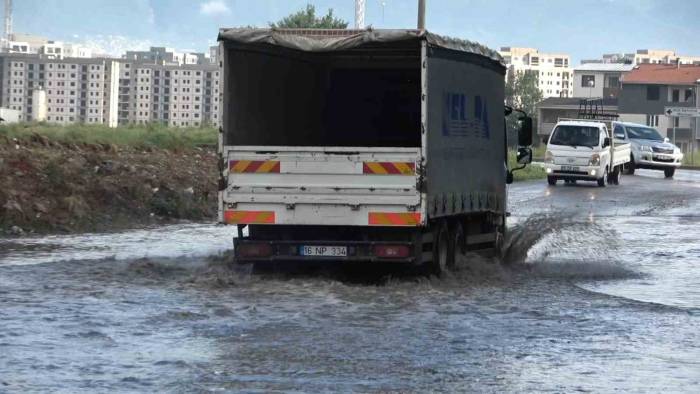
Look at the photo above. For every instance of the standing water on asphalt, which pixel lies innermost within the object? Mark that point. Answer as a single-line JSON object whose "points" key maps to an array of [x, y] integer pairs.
{"points": [[587, 302]]}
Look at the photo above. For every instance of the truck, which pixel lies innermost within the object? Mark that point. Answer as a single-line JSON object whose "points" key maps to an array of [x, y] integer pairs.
{"points": [[649, 149], [585, 150], [362, 145]]}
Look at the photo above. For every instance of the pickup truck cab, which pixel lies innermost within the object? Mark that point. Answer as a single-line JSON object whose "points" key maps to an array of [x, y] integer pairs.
{"points": [[583, 150], [649, 149]]}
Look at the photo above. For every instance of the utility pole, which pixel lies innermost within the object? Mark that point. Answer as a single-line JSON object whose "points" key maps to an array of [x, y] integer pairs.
{"points": [[359, 14], [421, 14], [8, 22]]}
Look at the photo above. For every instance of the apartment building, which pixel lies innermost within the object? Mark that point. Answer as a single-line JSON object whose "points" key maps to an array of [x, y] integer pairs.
{"points": [[167, 56], [601, 80], [77, 90], [186, 95], [649, 88], [644, 56], [663, 56], [113, 91], [553, 69]]}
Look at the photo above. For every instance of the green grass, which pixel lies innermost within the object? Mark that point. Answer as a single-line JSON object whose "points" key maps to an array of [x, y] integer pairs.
{"points": [[138, 136], [692, 159], [530, 172]]}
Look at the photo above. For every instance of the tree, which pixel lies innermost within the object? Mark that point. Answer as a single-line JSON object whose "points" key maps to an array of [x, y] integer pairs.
{"points": [[307, 19], [521, 93]]}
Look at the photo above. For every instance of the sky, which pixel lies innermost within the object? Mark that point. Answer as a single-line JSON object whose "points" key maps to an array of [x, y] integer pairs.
{"points": [[583, 28]]}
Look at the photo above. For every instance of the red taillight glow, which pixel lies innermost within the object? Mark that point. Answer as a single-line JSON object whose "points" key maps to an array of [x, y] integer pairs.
{"points": [[255, 250], [392, 251]]}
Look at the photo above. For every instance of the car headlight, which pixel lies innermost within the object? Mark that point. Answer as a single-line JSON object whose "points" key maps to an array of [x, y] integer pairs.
{"points": [[595, 160], [676, 150], [549, 157], [645, 148]]}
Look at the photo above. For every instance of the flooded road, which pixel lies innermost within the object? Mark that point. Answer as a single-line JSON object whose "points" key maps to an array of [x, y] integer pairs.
{"points": [[602, 294]]}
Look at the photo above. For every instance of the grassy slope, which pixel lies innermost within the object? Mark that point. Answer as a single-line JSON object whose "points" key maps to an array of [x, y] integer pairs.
{"points": [[137, 136], [531, 171], [692, 159], [86, 177]]}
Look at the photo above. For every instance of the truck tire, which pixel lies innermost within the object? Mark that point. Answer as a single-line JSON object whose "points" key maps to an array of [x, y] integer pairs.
{"points": [[614, 178], [459, 240], [669, 172], [602, 181], [630, 166], [551, 180], [443, 249]]}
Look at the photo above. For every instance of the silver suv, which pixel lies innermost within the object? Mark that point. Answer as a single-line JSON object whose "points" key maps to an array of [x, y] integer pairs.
{"points": [[649, 149]]}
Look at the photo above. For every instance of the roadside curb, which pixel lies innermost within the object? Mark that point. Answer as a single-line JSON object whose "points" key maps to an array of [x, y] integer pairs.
{"points": [[691, 168]]}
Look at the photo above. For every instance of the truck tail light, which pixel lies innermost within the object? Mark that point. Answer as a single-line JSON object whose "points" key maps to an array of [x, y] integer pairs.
{"points": [[392, 251], [255, 250]]}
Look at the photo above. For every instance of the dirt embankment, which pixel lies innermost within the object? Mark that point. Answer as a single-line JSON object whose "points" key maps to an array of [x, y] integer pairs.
{"points": [[48, 186]]}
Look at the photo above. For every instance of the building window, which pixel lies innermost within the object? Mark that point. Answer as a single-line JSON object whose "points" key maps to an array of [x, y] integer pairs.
{"points": [[675, 95], [653, 120], [676, 122], [588, 81], [653, 93]]}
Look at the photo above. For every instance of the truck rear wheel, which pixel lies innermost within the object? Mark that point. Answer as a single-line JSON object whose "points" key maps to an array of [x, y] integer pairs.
{"points": [[443, 249], [669, 172]]}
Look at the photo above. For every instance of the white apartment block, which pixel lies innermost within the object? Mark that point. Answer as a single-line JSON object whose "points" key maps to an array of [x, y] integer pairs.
{"points": [[77, 90], [553, 69], [110, 91], [186, 95]]}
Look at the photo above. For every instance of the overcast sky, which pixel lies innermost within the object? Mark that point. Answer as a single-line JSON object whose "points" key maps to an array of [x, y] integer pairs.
{"points": [[583, 28]]}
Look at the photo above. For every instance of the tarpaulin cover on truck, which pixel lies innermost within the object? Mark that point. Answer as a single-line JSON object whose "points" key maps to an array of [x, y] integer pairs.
{"points": [[320, 40]]}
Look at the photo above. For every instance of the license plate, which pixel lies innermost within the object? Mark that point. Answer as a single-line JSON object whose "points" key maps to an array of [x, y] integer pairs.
{"points": [[328, 251], [665, 157], [569, 168]]}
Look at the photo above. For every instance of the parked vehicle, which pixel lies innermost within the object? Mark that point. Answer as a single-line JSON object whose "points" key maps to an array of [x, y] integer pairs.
{"points": [[584, 150], [378, 145], [649, 149]]}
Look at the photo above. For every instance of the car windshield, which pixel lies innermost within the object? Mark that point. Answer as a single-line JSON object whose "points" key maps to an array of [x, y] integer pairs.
{"points": [[575, 136], [644, 133]]}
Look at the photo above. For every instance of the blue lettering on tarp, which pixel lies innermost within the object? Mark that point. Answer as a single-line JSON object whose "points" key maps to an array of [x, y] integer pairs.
{"points": [[455, 121], [481, 113]]}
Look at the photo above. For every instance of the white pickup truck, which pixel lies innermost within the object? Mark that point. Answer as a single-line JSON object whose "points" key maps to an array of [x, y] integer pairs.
{"points": [[584, 150]]}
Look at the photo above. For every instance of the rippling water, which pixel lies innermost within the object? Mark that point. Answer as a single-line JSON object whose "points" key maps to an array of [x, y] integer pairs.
{"points": [[597, 303]]}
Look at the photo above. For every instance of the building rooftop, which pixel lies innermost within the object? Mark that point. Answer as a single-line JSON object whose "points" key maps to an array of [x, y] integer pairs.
{"points": [[663, 74], [619, 67]]}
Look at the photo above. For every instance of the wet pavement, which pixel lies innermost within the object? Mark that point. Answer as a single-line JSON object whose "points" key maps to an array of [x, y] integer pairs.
{"points": [[602, 293]]}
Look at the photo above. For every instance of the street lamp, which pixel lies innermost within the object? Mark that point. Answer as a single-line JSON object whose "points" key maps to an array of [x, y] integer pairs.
{"points": [[591, 83]]}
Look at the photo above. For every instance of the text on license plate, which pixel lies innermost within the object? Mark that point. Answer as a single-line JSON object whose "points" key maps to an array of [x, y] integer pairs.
{"points": [[569, 168], [330, 251]]}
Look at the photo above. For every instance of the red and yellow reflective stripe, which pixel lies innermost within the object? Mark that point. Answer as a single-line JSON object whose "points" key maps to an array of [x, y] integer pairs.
{"points": [[254, 166], [388, 168], [394, 218], [249, 217]]}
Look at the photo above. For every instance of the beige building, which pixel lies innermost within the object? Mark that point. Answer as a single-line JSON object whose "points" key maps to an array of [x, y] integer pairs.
{"points": [[663, 56], [553, 69]]}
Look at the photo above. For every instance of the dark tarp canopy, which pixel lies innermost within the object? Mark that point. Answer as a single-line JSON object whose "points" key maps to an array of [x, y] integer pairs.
{"points": [[321, 40]]}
